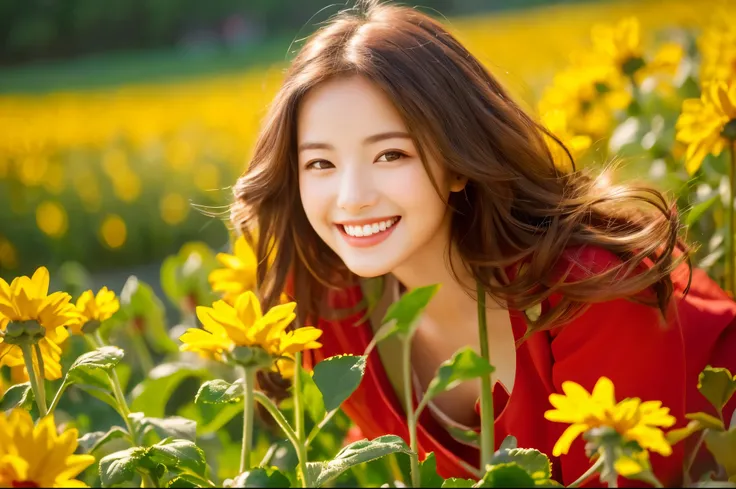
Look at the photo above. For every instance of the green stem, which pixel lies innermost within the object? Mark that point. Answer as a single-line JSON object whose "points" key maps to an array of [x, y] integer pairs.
{"points": [[41, 375], [301, 449], [278, 417], [57, 397], [249, 379], [38, 388], [731, 222], [411, 420], [487, 436], [687, 480], [117, 390], [321, 425], [592, 470], [610, 474], [95, 340]]}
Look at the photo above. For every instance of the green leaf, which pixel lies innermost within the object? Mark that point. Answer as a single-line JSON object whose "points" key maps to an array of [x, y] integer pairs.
{"points": [[186, 273], [319, 473], [103, 358], [707, 421], [453, 483], [337, 378], [722, 445], [137, 299], [676, 436], [464, 365], [91, 442], [373, 289], [219, 391], [507, 475], [17, 396], [698, 210], [173, 426], [180, 454], [534, 462], [189, 480], [151, 395], [407, 310], [89, 376], [120, 467], [428, 472], [717, 385], [261, 477], [508, 443], [312, 397], [102, 395]]}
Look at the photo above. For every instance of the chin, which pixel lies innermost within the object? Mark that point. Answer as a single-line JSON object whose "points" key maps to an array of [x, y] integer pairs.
{"points": [[368, 266], [368, 270]]}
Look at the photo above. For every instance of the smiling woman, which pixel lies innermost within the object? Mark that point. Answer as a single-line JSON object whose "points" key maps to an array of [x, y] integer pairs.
{"points": [[364, 172], [391, 152]]}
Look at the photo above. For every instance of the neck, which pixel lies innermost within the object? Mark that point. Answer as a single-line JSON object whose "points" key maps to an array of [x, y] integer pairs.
{"points": [[456, 297]]}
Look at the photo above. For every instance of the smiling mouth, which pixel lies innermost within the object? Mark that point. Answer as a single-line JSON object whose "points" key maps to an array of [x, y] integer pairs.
{"points": [[368, 229]]}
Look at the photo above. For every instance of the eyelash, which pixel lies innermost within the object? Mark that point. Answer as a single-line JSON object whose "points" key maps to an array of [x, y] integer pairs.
{"points": [[311, 165]]}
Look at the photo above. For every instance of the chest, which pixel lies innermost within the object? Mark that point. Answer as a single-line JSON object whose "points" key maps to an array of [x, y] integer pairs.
{"points": [[435, 342]]}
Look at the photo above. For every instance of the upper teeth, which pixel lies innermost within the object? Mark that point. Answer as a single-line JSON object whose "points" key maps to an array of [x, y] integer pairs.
{"points": [[369, 229]]}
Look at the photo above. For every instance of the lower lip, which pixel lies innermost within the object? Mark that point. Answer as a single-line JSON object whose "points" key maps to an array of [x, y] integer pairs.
{"points": [[367, 241]]}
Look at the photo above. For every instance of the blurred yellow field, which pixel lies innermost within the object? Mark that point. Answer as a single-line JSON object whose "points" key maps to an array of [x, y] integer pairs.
{"points": [[168, 145]]}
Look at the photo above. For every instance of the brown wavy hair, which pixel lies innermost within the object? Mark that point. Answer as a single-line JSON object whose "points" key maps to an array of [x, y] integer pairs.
{"points": [[517, 205]]}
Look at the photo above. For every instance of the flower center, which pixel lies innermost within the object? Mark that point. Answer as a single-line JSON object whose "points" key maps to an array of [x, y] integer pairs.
{"points": [[729, 130], [632, 65]]}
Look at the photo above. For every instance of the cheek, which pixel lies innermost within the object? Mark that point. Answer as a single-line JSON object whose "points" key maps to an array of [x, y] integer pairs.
{"points": [[412, 189], [315, 198]]}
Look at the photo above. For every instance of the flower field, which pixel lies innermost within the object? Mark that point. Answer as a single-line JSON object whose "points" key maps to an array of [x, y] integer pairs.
{"points": [[113, 386]]}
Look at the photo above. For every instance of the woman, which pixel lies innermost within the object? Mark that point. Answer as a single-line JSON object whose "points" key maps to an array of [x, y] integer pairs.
{"points": [[391, 152]]}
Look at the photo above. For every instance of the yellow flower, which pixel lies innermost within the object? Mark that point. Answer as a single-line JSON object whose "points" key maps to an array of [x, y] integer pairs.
{"points": [[588, 92], [93, 307], [717, 48], [556, 122], [630, 465], [239, 274], [707, 124], [28, 299], [244, 324], [621, 43], [50, 352], [620, 46], [285, 367], [25, 300], [631, 418], [37, 456]]}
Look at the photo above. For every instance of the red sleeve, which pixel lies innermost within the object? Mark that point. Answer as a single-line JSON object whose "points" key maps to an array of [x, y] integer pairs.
{"points": [[623, 341]]}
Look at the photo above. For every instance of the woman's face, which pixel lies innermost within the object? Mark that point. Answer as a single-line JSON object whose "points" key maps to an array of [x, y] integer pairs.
{"points": [[363, 187]]}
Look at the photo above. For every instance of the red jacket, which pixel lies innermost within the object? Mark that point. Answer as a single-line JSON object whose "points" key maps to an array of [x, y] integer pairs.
{"points": [[618, 339]]}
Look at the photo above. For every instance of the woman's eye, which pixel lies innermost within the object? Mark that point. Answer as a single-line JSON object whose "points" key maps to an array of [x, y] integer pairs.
{"points": [[319, 165], [391, 156]]}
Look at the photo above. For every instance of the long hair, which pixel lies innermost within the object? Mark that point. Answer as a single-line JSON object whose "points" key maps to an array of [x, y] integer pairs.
{"points": [[517, 205]]}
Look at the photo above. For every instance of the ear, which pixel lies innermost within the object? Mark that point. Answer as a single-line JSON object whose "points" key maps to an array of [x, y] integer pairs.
{"points": [[457, 183]]}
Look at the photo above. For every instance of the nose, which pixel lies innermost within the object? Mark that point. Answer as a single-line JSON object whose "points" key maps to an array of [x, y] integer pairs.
{"points": [[357, 190]]}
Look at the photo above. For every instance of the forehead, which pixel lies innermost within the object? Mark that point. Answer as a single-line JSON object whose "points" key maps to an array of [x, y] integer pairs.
{"points": [[349, 105]]}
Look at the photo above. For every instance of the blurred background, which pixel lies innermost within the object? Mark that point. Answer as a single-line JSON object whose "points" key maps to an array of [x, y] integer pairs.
{"points": [[123, 124]]}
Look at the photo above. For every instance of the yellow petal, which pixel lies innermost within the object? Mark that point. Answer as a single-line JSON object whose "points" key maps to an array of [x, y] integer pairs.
{"points": [[248, 309], [630, 466], [230, 261], [603, 392], [40, 282], [563, 444]]}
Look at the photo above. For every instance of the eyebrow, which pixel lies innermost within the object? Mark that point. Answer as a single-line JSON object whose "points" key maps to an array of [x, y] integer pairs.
{"points": [[369, 140]]}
